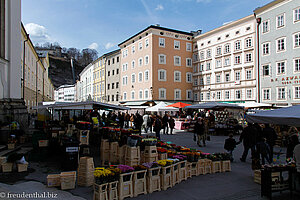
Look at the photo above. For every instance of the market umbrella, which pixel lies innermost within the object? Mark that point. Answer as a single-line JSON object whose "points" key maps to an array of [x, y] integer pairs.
{"points": [[179, 105], [161, 107], [213, 105]]}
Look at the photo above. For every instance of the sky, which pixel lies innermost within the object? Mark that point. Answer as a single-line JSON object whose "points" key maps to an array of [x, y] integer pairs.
{"points": [[103, 24]]}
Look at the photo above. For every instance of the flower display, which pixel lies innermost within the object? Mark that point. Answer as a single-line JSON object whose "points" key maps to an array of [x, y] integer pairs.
{"points": [[102, 175], [139, 167], [161, 150], [164, 163], [179, 157], [125, 168], [150, 165]]}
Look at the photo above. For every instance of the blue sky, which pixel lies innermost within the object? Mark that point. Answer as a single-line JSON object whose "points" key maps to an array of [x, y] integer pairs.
{"points": [[102, 24]]}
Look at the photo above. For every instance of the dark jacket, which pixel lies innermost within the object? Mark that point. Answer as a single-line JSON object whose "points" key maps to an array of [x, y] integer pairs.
{"points": [[230, 144], [263, 148], [249, 136], [270, 134], [165, 120], [199, 128], [157, 124], [171, 123]]}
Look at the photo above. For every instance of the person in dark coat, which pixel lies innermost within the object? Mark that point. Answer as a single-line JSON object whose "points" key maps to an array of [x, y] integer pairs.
{"points": [[171, 124], [230, 145], [200, 132], [264, 150], [292, 142], [249, 138], [157, 127], [271, 136], [165, 120], [138, 121]]}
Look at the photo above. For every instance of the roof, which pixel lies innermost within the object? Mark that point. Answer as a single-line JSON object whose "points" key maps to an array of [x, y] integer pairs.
{"points": [[159, 28], [112, 53], [269, 5]]}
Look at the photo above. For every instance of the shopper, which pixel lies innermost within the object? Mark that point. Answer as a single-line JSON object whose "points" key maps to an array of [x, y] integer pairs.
{"points": [[264, 150], [146, 119], [271, 136], [165, 120], [200, 132], [297, 158], [230, 145], [171, 124], [292, 142], [249, 138], [157, 126]]}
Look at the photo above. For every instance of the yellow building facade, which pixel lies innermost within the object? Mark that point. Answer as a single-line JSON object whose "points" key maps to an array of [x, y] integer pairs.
{"points": [[99, 91]]}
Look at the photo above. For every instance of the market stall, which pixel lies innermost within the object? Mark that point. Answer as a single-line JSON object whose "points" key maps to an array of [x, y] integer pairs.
{"points": [[181, 123]]}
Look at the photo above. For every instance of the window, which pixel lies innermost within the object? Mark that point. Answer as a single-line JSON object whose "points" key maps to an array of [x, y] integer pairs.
{"points": [[141, 94], [162, 93], [266, 94], [125, 67], [140, 76], [201, 67], [237, 45], [281, 44], [219, 51], [266, 70], [146, 75], [188, 47], [202, 55], [208, 96], [208, 53], [118, 59], [177, 94], [108, 62], [189, 94], [177, 76], [108, 98], [195, 81], [112, 86], [196, 97], [249, 57], [281, 67], [113, 72], [124, 80], [161, 42], [248, 74], [108, 86], [266, 26], [281, 93], [297, 92], [146, 94], [189, 62], [132, 94], [208, 66], [146, 42], [297, 40], [140, 62], [132, 78], [140, 45], [176, 44], [248, 42], [201, 97], [125, 96], [238, 94], [132, 64], [146, 60], [177, 61], [218, 63], [280, 21], [227, 48], [266, 48], [227, 94], [162, 75], [297, 15], [218, 78], [227, 61], [218, 95], [162, 59], [227, 77], [237, 59], [238, 76], [108, 73], [189, 77], [297, 64], [248, 94], [117, 85], [118, 70], [133, 49], [201, 81], [208, 80]]}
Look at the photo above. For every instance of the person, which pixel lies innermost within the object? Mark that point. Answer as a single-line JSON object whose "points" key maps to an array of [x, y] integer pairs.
{"points": [[121, 119], [248, 137], [297, 157], [151, 122], [138, 121], [264, 150], [271, 136], [230, 144], [199, 130], [157, 127], [126, 120], [171, 124], [132, 119], [165, 120], [146, 120], [292, 143]]}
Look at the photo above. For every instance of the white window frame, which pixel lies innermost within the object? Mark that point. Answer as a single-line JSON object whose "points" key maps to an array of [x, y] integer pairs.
{"points": [[125, 80], [189, 74], [188, 46], [140, 46], [189, 60], [237, 75], [218, 63], [296, 15], [208, 53], [132, 95], [265, 27], [218, 95], [248, 41], [296, 40], [237, 44], [208, 65], [195, 96], [133, 78], [146, 60], [218, 50], [249, 91], [140, 96], [187, 94], [165, 75], [146, 91], [281, 72], [179, 59], [132, 64], [226, 77], [266, 48], [280, 21], [177, 72], [162, 42], [227, 94], [201, 97], [284, 94], [227, 61], [296, 64], [140, 77], [146, 77], [284, 45], [164, 60], [248, 57], [240, 59], [266, 93], [269, 70], [218, 78], [140, 62], [160, 90], [176, 44], [132, 49], [124, 95], [208, 80], [179, 92], [236, 94], [226, 48], [146, 42], [249, 74], [297, 94]]}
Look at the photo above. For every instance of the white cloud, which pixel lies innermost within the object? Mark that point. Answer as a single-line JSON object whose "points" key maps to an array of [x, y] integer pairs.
{"points": [[93, 46], [159, 7], [109, 45], [203, 1], [37, 33]]}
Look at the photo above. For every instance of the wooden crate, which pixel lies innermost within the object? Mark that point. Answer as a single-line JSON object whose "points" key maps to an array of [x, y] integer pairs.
{"points": [[125, 186], [162, 156], [166, 177], [113, 152], [146, 159], [139, 183], [2, 160], [189, 169], [7, 167], [257, 176], [105, 157], [226, 166], [153, 180], [201, 167], [85, 172], [43, 143], [175, 173], [104, 145], [11, 146], [67, 180], [132, 153], [121, 154], [132, 162], [53, 180], [100, 192], [150, 151], [22, 167], [182, 171], [113, 190], [208, 168], [216, 166], [194, 169]]}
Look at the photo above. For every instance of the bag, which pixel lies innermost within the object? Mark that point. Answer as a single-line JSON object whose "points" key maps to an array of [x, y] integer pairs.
{"points": [[208, 138], [194, 137]]}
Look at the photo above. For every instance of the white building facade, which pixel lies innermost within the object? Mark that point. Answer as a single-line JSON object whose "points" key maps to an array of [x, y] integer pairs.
{"points": [[65, 93], [85, 84], [224, 63]]}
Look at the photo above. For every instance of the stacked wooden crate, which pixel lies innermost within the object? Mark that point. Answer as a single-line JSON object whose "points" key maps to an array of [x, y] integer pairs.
{"points": [[67, 180], [139, 182], [132, 156], [84, 137], [150, 154], [86, 172], [216, 166], [166, 177], [104, 152], [113, 152], [100, 192], [153, 180], [125, 186], [182, 171], [226, 166], [201, 167], [121, 154], [175, 173]]}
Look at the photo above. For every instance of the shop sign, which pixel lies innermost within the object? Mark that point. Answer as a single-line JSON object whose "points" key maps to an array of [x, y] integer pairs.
{"points": [[71, 149], [287, 80]]}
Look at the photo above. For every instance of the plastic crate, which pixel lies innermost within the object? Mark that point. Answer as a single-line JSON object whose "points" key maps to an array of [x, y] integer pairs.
{"points": [[166, 177], [113, 191], [153, 180], [139, 183], [100, 192], [125, 186]]}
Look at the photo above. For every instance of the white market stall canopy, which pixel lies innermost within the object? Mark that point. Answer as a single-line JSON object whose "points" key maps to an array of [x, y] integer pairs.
{"points": [[213, 105], [161, 107], [253, 104], [87, 105], [284, 116]]}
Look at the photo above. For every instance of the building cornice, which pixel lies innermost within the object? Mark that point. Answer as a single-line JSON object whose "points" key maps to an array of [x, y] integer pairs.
{"points": [[268, 6]]}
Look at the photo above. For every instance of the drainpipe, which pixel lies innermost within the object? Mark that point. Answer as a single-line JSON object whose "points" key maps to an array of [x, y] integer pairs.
{"points": [[36, 81], [258, 21], [23, 81]]}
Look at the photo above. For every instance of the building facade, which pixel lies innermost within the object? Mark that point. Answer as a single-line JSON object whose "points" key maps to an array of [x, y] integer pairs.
{"points": [[224, 63], [86, 83], [156, 64], [65, 93], [112, 67], [278, 25], [99, 79]]}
